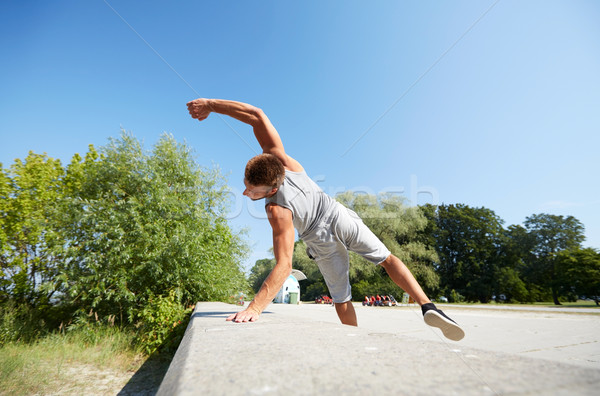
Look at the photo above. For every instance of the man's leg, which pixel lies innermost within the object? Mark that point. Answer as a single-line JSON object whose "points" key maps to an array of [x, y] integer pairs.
{"points": [[433, 316], [346, 313], [402, 276], [332, 259]]}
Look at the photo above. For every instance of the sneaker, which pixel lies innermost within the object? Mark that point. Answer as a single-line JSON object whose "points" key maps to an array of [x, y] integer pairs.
{"points": [[436, 318]]}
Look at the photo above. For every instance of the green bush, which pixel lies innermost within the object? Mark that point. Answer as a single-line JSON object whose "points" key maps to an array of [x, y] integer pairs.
{"points": [[9, 325], [19, 323], [108, 232], [142, 223], [455, 297], [162, 323]]}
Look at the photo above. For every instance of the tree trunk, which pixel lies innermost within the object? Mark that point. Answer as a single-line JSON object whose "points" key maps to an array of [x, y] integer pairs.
{"points": [[555, 296]]}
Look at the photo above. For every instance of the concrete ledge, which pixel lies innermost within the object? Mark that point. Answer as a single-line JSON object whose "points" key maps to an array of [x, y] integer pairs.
{"points": [[282, 353]]}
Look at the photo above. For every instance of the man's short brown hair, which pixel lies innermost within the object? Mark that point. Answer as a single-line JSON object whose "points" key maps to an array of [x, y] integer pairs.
{"points": [[265, 170]]}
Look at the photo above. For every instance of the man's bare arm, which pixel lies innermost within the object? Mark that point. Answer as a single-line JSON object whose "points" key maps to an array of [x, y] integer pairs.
{"points": [[283, 247], [264, 131]]}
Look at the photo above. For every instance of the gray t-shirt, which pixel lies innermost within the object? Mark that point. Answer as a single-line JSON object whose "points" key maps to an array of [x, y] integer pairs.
{"points": [[305, 199]]}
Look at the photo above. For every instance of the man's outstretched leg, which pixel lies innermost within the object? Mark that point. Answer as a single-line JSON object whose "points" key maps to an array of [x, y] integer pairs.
{"points": [[346, 313], [402, 276]]}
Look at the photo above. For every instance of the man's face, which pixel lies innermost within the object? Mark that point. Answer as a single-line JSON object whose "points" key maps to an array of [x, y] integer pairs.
{"points": [[258, 192]]}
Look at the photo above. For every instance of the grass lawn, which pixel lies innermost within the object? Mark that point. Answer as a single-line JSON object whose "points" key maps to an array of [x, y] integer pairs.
{"points": [[576, 304], [549, 304], [79, 362]]}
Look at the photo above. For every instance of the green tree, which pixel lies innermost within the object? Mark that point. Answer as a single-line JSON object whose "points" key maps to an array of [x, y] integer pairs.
{"points": [[580, 272], [467, 241], [510, 281], [259, 272], [550, 235], [142, 224], [30, 192], [510, 284], [5, 189]]}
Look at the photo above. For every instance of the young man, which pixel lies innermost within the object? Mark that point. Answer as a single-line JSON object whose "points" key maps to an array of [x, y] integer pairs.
{"points": [[293, 200]]}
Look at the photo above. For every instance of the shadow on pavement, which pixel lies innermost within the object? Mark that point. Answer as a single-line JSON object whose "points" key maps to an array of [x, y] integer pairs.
{"points": [[148, 378], [220, 314]]}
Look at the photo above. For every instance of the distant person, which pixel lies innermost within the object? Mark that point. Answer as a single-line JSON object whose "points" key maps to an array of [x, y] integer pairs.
{"points": [[293, 200]]}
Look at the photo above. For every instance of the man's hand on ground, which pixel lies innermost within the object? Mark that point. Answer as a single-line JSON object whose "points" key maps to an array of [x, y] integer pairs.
{"points": [[247, 315], [199, 109]]}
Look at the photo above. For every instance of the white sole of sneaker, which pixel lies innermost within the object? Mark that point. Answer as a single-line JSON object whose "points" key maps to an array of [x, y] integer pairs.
{"points": [[450, 329]]}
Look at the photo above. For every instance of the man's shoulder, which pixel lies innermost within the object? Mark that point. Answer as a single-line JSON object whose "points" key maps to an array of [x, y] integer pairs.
{"points": [[275, 209], [279, 216]]}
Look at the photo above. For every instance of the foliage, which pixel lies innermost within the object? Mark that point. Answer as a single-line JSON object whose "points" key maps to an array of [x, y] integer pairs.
{"points": [[510, 284], [455, 297], [467, 241], [480, 259], [5, 190], [139, 225], [29, 264], [19, 323], [550, 235], [162, 323], [580, 269], [554, 233], [259, 272], [114, 233], [515, 253]]}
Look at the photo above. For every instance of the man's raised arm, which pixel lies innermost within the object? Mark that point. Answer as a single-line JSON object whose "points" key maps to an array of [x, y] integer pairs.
{"points": [[265, 132]]}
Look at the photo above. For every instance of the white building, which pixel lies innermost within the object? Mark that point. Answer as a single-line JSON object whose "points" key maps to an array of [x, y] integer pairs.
{"points": [[290, 291]]}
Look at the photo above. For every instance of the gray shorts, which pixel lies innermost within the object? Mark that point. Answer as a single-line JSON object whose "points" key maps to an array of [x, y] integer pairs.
{"points": [[329, 243]]}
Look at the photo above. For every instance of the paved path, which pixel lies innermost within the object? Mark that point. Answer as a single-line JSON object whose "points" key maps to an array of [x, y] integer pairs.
{"points": [[568, 335], [302, 350]]}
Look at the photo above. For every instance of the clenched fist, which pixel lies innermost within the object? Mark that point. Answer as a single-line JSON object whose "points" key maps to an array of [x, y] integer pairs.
{"points": [[199, 108]]}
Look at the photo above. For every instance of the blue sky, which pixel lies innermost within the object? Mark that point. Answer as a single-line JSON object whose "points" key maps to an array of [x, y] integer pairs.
{"points": [[486, 103]]}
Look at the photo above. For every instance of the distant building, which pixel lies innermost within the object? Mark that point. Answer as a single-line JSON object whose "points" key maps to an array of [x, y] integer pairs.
{"points": [[290, 291]]}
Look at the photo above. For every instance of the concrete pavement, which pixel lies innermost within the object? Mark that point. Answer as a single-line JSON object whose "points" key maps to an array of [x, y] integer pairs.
{"points": [[302, 350], [568, 335]]}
